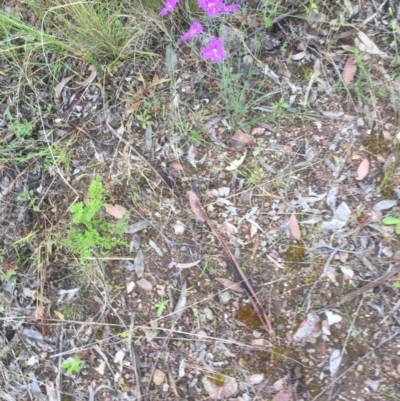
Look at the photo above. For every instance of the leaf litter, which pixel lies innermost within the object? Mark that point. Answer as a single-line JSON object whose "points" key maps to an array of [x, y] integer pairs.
{"points": [[308, 168]]}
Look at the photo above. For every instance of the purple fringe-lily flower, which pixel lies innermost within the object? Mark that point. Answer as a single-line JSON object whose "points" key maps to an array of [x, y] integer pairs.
{"points": [[168, 7], [194, 30], [211, 7], [214, 50], [229, 9], [214, 7]]}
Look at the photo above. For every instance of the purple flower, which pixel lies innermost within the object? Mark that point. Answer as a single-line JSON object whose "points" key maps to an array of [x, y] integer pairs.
{"points": [[214, 50], [169, 6], [229, 9], [194, 30], [211, 7], [214, 7]]}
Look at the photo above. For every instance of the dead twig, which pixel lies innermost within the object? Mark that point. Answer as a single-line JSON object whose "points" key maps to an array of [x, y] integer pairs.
{"points": [[360, 291], [237, 271]]}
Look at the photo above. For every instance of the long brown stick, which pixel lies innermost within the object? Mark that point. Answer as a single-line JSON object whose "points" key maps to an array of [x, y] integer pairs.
{"points": [[238, 272]]}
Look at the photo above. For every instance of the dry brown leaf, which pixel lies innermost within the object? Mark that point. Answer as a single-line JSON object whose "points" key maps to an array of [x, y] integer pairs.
{"points": [[91, 77], [243, 138], [194, 202], [218, 392], [230, 284], [284, 395], [59, 87], [363, 169], [309, 329], [116, 211], [294, 227], [365, 44], [349, 70]]}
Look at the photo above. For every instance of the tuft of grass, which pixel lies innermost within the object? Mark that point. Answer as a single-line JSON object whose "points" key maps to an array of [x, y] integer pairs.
{"points": [[103, 31]]}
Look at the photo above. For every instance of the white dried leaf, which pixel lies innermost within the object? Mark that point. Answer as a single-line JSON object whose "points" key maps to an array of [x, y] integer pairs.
{"points": [[182, 366], [179, 227], [256, 378], [330, 272], [235, 164], [308, 330], [333, 317], [60, 86], [373, 384], [261, 342], [140, 225], [217, 392], [334, 362], [299, 56], [325, 328], [139, 264], [127, 265], [365, 44], [347, 271], [341, 216], [119, 357], [180, 305], [130, 286], [384, 205], [101, 368], [331, 198], [156, 248], [218, 192], [253, 229]]}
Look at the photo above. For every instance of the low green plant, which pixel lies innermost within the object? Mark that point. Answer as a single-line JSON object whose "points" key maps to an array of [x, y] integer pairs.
{"points": [[73, 364], [29, 198], [392, 221], [161, 306], [88, 233]]}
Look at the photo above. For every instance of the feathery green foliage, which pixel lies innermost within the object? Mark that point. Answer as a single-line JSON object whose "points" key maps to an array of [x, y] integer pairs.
{"points": [[87, 233]]}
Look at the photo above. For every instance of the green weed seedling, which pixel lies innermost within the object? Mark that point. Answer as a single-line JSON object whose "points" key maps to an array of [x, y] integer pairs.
{"points": [[88, 233], [161, 306], [74, 364], [392, 221]]}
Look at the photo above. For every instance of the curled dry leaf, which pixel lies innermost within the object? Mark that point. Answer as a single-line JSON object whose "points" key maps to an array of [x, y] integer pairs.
{"points": [[284, 395], [91, 77], [294, 227], [230, 284], [179, 227], [175, 169], [60, 86], [236, 163], [243, 138], [194, 203], [218, 392], [363, 169], [308, 330], [116, 211], [349, 70]]}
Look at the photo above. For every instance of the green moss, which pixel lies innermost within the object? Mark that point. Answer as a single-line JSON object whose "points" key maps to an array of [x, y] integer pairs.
{"points": [[248, 316], [217, 379], [295, 252], [376, 144]]}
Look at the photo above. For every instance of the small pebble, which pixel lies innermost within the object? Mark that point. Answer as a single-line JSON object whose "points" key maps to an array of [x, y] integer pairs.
{"points": [[209, 314], [145, 285], [224, 297], [158, 377]]}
